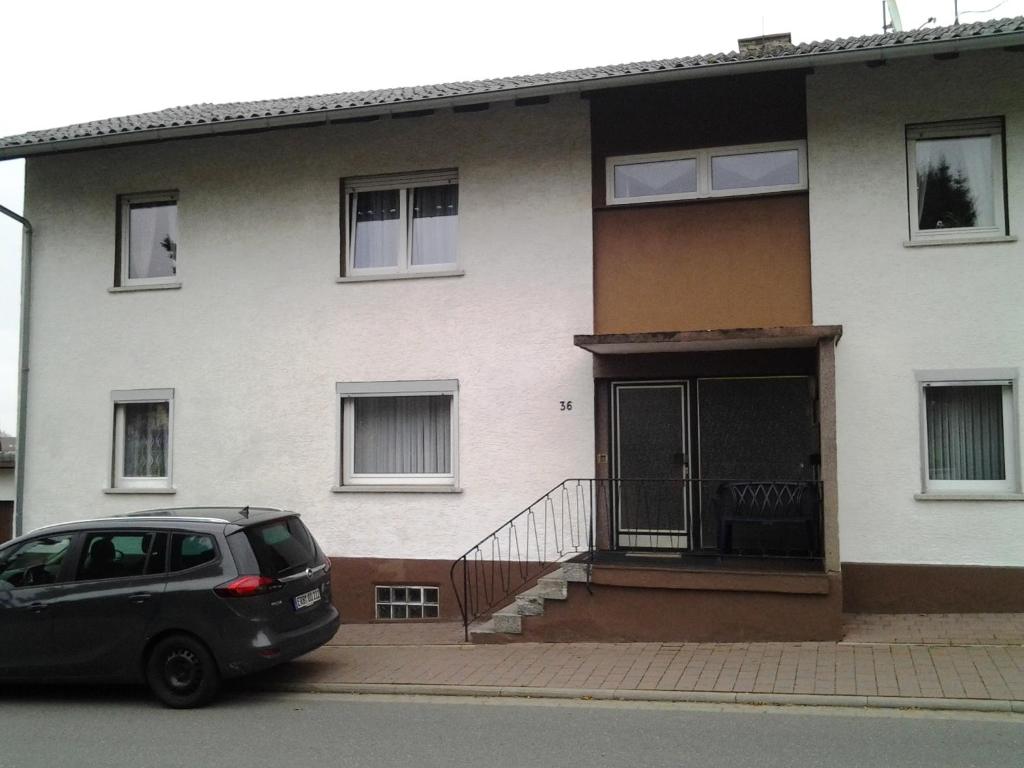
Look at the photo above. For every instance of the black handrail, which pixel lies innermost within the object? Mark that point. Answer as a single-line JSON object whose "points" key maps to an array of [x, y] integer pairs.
{"points": [[652, 514]]}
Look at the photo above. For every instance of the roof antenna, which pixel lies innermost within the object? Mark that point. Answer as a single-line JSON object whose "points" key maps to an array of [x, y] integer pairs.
{"points": [[244, 512], [891, 22]]}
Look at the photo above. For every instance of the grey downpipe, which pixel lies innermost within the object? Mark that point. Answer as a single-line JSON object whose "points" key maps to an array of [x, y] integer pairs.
{"points": [[26, 301]]}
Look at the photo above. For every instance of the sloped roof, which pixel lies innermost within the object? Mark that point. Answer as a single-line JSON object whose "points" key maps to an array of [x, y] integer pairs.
{"points": [[209, 118]]}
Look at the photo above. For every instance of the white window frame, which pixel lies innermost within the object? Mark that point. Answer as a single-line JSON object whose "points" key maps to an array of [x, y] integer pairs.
{"points": [[406, 184], [1003, 377], [703, 158], [348, 392], [131, 396], [992, 127], [124, 245]]}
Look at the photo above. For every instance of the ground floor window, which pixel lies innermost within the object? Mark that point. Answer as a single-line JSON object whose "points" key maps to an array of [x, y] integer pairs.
{"points": [[968, 432], [141, 457], [399, 433], [406, 602]]}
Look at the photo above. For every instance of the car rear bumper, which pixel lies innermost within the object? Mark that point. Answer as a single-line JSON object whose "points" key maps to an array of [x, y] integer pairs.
{"points": [[284, 647]]}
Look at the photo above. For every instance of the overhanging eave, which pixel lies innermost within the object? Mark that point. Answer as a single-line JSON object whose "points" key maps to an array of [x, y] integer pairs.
{"points": [[780, 337]]}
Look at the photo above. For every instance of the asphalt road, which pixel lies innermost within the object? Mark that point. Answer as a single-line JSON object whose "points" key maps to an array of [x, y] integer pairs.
{"points": [[122, 727]]}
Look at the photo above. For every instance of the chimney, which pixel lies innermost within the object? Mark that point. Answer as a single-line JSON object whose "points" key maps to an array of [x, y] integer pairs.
{"points": [[761, 43]]}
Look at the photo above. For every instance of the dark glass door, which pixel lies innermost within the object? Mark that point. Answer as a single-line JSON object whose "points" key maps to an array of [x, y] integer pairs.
{"points": [[651, 464]]}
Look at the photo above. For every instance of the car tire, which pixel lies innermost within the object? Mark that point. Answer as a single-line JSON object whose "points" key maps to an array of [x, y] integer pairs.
{"points": [[181, 672]]}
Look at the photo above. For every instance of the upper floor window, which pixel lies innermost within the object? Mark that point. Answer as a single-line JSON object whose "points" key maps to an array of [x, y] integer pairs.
{"points": [[713, 172], [404, 224], [956, 172], [147, 245]]}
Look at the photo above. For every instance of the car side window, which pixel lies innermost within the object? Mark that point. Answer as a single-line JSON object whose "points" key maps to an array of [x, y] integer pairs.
{"points": [[114, 554], [33, 563], [157, 562], [191, 549]]}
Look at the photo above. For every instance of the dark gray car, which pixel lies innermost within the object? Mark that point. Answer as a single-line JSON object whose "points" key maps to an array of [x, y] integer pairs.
{"points": [[178, 598]]}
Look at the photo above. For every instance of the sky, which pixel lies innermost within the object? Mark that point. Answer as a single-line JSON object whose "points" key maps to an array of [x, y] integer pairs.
{"points": [[71, 62]]}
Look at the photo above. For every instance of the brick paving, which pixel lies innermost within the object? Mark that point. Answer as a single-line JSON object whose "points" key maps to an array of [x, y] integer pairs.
{"points": [[976, 656]]}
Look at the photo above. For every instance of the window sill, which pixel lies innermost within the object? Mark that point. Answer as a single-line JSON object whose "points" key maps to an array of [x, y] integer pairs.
{"points": [[395, 489], [960, 241], [141, 490], [400, 276], [143, 287], [969, 496]]}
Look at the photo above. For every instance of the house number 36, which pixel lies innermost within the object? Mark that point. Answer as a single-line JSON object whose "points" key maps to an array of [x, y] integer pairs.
{"points": [[565, 405]]}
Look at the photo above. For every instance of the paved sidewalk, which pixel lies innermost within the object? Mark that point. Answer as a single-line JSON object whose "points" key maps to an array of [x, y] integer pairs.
{"points": [[968, 661]]}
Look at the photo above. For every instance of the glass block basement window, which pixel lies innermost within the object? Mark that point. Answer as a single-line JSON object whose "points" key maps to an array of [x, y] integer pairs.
{"points": [[407, 602]]}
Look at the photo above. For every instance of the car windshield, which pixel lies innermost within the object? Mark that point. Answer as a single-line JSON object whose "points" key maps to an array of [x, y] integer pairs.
{"points": [[281, 546], [33, 563]]}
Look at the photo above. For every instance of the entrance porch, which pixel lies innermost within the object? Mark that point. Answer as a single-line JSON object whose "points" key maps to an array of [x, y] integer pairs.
{"points": [[712, 513]]}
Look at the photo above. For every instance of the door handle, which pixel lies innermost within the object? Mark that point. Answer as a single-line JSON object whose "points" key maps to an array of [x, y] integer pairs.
{"points": [[38, 607], [140, 597]]}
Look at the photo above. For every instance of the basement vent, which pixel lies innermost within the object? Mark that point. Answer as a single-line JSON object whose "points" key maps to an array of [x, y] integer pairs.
{"points": [[405, 602]]}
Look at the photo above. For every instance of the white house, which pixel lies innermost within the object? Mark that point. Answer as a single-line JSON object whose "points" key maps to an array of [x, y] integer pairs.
{"points": [[735, 331]]}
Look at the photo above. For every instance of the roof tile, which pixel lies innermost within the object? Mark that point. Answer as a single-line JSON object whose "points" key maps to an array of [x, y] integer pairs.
{"points": [[202, 114]]}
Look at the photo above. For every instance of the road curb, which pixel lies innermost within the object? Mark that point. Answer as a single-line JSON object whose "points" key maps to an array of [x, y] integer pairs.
{"points": [[702, 697]]}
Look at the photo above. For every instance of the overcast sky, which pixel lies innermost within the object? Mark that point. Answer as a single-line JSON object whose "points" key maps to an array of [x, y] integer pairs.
{"points": [[70, 62]]}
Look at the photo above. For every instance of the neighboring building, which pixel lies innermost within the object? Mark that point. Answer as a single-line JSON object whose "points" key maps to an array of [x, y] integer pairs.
{"points": [[764, 303], [6, 487]]}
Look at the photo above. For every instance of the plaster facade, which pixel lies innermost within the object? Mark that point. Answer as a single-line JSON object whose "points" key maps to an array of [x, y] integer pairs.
{"points": [[260, 331], [909, 308], [6, 483]]}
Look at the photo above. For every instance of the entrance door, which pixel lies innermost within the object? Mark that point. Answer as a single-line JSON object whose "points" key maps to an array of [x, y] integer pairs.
{"points": [[651, 462]]}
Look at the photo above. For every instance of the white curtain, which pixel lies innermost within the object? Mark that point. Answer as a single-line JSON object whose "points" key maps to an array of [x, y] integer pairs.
{"points": [[378, 229], [403, 435], [965, 433], [663, 177], [435, 224], [145, 439]]}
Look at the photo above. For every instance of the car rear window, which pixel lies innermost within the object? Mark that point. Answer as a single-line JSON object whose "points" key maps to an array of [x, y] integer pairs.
{"points": [[281, 546]]}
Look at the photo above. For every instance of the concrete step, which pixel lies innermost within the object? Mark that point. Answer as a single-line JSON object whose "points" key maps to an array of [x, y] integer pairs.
{"points": [[482, 628], [574, 571], [529, 605], [530, 602], [550, 588], [508, 620]]}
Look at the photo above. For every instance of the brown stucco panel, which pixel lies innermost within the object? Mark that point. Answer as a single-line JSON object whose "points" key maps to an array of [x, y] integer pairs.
{"points": [[739, 263], [353, 580], [624, 614], [890, 588]]}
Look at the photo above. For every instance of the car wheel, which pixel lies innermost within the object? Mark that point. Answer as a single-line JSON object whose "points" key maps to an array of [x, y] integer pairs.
{"points": [[181, 672]]}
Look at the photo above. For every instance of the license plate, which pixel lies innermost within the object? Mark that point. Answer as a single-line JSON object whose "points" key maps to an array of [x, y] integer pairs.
{"points": [[307, 599]]}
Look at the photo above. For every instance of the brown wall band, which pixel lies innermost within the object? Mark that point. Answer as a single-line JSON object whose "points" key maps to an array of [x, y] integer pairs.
{"points": [[738, 263]]}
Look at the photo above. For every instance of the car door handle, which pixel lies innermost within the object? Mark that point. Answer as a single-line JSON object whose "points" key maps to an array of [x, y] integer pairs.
{"points": [[140, 597], [38, 607]]}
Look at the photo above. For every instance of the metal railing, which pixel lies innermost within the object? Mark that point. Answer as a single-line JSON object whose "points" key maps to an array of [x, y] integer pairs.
{"points": [[702, 517]]}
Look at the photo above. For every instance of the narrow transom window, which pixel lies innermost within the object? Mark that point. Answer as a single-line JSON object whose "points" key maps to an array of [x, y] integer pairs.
{"points": [[712, 172], [399, 433], [148, 239], [142, 439], [402, 224], [956, 179], [969, 436]]}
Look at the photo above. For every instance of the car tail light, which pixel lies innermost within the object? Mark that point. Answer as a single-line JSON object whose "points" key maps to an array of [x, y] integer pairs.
{"points": [[246, 586], [327, 564]]}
